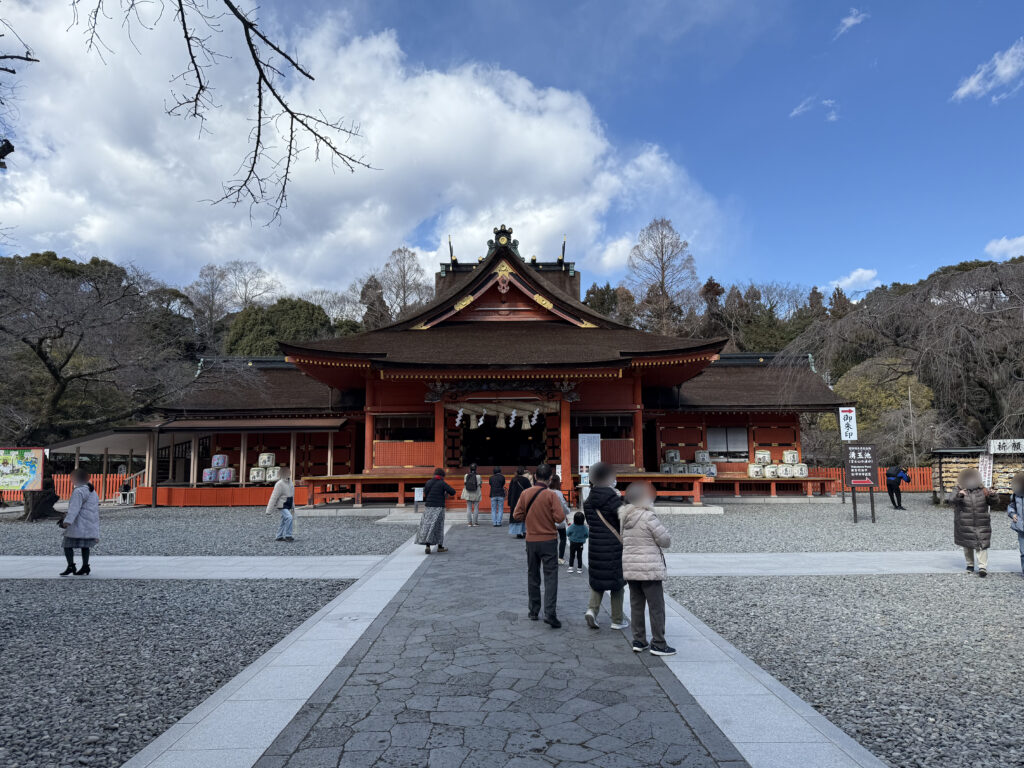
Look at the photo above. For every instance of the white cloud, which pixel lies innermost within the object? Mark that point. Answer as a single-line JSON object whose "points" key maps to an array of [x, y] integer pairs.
{"points": [[858, 281], [849, 21], [831, 110], [803, 106], [1001, 76], [1005, 247], [101, 170]]}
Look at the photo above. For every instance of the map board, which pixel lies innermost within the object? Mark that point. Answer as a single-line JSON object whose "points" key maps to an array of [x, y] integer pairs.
{"points": [[21, 469], [861, 469]]}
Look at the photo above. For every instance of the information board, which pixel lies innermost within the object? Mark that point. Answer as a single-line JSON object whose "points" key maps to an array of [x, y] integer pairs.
{"points": [[861, 469], [589, 449], [848, 424], [21, 469]]}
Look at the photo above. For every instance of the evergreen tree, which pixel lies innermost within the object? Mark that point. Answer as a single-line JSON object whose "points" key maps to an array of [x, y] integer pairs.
{"points": [[371, 296], [839, 304]]}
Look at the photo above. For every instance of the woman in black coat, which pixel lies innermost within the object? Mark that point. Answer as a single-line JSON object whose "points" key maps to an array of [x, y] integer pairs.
{"points": [[435, 495], [515, 489], [604, 547]]}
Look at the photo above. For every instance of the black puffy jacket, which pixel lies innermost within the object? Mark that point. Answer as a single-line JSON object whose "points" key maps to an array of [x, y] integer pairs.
{"points": [[516, 486], [604, 548], [972, 522], [436, 491]]}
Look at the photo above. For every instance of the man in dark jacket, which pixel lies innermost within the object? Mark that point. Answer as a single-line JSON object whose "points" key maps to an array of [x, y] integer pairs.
{"points": [[893, 477], [972, 521], [604, 550], [497, 483]]}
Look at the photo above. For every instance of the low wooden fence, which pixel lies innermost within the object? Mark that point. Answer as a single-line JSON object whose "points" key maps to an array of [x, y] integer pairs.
{"points": [[62, 486], [920, 477]]}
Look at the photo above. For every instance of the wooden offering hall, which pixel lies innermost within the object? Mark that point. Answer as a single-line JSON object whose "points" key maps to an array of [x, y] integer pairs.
{"points": [[505, 367]]}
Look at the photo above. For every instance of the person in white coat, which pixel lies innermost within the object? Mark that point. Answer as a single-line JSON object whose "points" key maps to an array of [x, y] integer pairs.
{"points": [[81, 524], [643, 566], [283, 498]]}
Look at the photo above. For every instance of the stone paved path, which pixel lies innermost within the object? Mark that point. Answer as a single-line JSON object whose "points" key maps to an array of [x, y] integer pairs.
{"points": [[452, 673]]}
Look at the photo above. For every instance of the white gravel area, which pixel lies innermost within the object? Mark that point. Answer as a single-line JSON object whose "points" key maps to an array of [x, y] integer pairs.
{"points": [[924, 671], [92, 671], [804, 527], [211, 531]]}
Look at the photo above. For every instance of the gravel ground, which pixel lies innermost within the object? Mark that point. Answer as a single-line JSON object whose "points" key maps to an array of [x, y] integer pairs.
{"points": [[92, 671], [803, 527], [211, 531], [925, 671]]}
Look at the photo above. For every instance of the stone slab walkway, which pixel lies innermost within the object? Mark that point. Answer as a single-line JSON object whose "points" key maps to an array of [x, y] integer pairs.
{"points": [[187, 567], [830, 563], [454, 674]]}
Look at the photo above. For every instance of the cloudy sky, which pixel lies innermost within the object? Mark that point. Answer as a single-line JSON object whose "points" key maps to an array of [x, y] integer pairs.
{"points": [[806, 141]]}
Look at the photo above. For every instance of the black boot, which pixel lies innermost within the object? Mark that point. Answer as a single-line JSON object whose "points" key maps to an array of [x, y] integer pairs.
{"points": [[69, 555], [70, 570], [83, 571]]}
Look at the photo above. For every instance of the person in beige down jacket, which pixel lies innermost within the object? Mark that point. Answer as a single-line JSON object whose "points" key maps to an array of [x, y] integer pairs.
{"points": [[643, 566]]}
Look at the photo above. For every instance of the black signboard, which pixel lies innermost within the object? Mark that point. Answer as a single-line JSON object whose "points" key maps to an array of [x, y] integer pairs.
{"points": [[861, 468]]}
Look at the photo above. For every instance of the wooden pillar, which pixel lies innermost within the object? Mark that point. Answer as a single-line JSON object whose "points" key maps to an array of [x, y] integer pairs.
{"points": [[330, 454], [565, 444], [193, 461], [78, 456], [106, 469], [243, 459], [291, 457], [150, 459], [155, 481], [369, 431], [131, 461], [439, 434], [638, 425]]}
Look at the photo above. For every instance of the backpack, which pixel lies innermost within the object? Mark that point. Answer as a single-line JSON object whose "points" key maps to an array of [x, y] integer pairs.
{"points": [[893, 472], [472, 481]]}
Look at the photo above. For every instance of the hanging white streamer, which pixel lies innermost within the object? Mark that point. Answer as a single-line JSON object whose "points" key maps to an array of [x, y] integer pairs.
{"points": [[512, 418], [533, 418], [458, 417]]}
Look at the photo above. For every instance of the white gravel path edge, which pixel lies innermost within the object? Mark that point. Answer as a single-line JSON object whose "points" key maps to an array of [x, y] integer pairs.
{"points": [[769, 724], [235, 725]]}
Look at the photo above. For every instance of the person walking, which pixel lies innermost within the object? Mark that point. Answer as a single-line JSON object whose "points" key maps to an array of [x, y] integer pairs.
{"points": [[540, 510], [577, 534], [893, 477], [435, 495], [519, 483], [605, 547], [283, 498], [972, 521], [556, 486], [81, 523], [472, 493], [497, 484], [1015, 511], [643, 566]]}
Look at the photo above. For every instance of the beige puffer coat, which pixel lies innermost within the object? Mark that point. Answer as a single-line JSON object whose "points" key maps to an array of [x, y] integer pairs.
{"points": [[643, 538]]}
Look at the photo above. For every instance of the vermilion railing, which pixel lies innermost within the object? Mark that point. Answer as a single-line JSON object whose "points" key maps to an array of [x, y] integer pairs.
{"points": [[62, 486], [920, 477]]}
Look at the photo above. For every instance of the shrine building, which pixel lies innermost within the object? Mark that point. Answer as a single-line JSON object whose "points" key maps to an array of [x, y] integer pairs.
{"points": [[506, 367]]}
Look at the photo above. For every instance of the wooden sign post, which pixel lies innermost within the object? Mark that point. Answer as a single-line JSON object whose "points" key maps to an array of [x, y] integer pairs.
{"points": [[861, 472]]}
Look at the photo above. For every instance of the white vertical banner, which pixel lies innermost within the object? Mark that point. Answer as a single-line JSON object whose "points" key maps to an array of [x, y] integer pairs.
{"points": [[985, 467], [848, 423]]}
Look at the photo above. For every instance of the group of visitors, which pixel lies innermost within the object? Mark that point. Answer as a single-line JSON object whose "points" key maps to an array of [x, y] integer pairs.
{"points": [[972, 519]]}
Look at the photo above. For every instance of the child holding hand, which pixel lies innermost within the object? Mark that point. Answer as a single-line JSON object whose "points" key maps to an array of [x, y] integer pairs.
{"points": [[577, 534]]}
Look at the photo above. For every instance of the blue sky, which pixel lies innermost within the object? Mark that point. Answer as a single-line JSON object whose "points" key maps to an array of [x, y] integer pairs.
{"points": [[800, 141]]}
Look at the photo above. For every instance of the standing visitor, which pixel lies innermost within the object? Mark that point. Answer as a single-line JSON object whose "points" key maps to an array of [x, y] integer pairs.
{"points": [[643, 565], [283, 498], [540, 510], [435, 495], [497, 483], [472, 493], [605, 547], [577, 534], [1015, 511], [893, 477], [81, 524], [520, 483], [556, 486], [972, 522]]}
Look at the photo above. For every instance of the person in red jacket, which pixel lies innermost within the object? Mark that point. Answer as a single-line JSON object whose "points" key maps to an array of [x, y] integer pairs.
{"points": [[540, 509]]}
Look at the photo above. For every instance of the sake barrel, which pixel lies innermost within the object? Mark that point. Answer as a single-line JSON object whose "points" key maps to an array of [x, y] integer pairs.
{"points": [[755, 470], [680, 468], [266, 460], [790, 457], [785, 470], [273, 474], [226, 475], [219, 460], [666, 468], [762, 457], [771, 471], [672, 455], [799, 470], [210, 475], [702, 457], [711, 470], [257, 474]]}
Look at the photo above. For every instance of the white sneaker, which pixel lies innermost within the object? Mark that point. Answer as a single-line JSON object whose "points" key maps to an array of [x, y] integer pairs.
{"points": [[591, 618], [561, 561], [623, 625]]}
